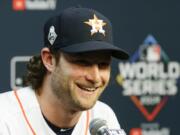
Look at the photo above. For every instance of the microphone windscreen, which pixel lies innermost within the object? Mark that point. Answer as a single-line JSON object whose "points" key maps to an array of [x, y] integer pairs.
{"points": [[96, 125]]}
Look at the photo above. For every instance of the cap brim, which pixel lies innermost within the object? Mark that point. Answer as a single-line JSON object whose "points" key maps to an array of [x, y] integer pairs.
{"points": [[92, 46]]}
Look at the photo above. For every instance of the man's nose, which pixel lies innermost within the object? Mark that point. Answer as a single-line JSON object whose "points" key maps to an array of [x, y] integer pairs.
{"points": [[93, 74]]}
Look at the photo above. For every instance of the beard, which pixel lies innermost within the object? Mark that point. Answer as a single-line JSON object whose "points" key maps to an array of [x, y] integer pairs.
{"points": [[66, 92]]}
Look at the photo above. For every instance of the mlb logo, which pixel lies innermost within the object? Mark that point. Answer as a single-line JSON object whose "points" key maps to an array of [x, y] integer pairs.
{"points": [[151, 53], [18, 70], [18, 4]]}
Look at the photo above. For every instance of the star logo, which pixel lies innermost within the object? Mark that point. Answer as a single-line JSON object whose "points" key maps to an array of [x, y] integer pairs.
{"points": [[97, 25]]}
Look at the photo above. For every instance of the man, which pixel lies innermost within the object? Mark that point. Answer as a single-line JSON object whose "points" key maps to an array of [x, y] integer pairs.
{"points": [[65, 80]]}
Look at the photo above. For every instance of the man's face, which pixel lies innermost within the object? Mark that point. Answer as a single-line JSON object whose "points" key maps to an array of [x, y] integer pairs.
{"points": [[78, 80]]}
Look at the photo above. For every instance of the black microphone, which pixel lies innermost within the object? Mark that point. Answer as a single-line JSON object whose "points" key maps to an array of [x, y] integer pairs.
{"points": [[100, 127]]}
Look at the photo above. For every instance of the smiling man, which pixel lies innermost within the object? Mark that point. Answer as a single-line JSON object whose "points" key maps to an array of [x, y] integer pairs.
{"points": [[66, 79]]}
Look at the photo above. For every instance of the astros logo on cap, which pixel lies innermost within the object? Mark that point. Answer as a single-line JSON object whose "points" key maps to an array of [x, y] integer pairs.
{"points": [[97, 25]]}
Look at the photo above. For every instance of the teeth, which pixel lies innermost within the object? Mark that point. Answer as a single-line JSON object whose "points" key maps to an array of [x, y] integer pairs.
{"points": [[89, 89]]}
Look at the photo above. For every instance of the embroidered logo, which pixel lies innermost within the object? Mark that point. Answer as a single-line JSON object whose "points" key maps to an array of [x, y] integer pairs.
{"points": [[52, 35], [97, 25]]}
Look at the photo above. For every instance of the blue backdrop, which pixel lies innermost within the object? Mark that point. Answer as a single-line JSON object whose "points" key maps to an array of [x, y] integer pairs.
{"points": [[148, 30]]}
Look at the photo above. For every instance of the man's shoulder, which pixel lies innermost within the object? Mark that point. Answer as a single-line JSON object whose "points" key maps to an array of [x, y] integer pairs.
{"points": [[102, 108], [5, 99], [103, 111], [9, 96], [8, 101]]}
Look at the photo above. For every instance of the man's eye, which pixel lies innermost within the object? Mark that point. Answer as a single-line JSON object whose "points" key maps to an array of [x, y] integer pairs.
{"points": [[104, 65], [82, 62]]}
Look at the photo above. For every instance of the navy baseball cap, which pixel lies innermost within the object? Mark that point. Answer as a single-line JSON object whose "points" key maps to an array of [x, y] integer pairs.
{"points": [[81, 30]]}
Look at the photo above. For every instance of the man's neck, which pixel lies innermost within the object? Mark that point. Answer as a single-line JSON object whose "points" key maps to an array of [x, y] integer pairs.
{"points": [[55, 111]]}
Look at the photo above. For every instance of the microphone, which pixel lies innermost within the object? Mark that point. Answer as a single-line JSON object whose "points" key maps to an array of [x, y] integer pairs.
{"points": [[100, 127]]}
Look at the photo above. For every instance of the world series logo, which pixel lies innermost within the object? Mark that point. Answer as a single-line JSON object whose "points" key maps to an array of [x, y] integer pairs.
{"points": [[149, 78]]}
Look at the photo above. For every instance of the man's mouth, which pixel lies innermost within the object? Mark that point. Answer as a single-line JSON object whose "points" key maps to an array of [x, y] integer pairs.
{"points": [[89, 89]]}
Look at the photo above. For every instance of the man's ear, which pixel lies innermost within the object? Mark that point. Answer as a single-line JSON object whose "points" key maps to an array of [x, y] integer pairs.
{"points": [[48, 59]]}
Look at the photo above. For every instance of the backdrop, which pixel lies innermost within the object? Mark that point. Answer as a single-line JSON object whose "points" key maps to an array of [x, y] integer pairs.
{"points": [[143, 91]]}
